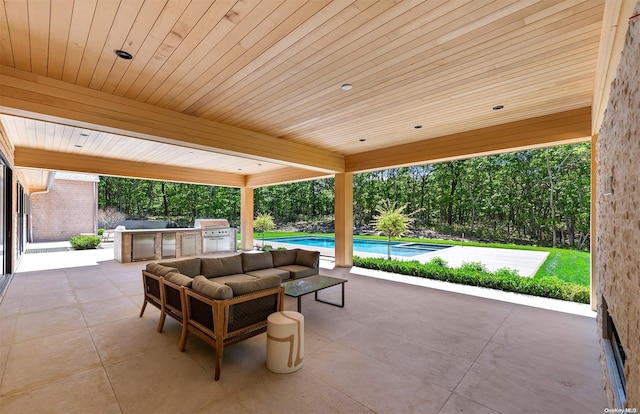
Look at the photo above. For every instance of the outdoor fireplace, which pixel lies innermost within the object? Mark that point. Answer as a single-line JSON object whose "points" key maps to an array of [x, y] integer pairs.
{"points": [[614, 356], [217, 235]]}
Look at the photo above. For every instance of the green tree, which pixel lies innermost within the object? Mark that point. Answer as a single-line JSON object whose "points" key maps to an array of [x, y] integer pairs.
{"points": [[262, 223], [391, 221]]}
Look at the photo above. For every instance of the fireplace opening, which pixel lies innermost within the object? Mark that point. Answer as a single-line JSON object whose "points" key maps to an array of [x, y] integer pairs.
{"points": [[615, 356]]}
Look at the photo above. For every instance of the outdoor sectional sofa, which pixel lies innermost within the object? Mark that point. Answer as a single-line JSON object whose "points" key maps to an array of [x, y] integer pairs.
{"points": [[224, 300]]}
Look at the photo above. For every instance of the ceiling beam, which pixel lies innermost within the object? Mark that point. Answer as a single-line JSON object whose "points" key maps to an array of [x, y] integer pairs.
{"points": [[33, 96], [615, 23], [283, 176], [556, 129], [63, 161]]}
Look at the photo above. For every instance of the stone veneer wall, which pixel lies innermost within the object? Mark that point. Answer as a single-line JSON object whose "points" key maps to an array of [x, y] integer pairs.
{"points": [[68, 209], [618, 214]]}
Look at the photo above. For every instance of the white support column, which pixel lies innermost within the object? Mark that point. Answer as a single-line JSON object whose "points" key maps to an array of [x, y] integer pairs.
{"points": [[344, 219]]}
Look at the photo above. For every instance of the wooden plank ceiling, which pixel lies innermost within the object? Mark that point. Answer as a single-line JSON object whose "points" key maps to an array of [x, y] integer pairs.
{"points": [[276, 68]]}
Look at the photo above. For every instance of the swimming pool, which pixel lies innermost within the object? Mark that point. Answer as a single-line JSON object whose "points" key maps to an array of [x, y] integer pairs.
{"points": [[406, 249]]}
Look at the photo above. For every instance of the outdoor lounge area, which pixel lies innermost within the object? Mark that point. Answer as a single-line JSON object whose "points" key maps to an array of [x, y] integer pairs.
{"points": [[71, 341]]}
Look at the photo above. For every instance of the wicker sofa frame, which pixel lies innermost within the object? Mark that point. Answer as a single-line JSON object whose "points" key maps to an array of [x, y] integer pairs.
{"points": [[225, 322], [222, 320], [218, 322]]}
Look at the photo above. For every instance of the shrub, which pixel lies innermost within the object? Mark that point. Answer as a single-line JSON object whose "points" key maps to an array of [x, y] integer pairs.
{"points": [[84, 242], [476, 274], [100, 231]]}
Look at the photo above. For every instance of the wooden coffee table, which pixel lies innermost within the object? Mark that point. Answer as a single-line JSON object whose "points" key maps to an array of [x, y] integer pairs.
{"points": [[312, 284]]}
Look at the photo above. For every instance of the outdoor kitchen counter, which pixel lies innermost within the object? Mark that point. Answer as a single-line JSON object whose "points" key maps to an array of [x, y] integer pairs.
{"points": [[152, 244]]}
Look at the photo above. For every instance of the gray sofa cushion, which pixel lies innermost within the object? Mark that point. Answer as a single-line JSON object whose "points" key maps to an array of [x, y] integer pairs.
{"points": [[211, 289], [283, 257], [233, 278], [179, 279], [256, 261], [272, 271], [189, 267], [307, 258], [160, 270], [221, 266], [297, 271], [244, 288]]}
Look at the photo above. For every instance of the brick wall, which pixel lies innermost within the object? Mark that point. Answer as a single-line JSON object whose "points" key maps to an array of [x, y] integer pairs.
{"points": [[68, 209], [618, 213]]}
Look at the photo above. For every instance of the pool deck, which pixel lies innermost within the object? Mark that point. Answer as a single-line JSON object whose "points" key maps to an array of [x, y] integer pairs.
{"points": [[525, 262]]}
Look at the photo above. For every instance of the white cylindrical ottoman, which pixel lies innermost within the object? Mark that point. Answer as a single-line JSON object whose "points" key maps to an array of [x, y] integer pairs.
{"points": [[285, 341]]}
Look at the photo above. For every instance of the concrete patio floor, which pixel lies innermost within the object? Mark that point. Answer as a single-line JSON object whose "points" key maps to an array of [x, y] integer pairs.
{"points": [[71, 341]]}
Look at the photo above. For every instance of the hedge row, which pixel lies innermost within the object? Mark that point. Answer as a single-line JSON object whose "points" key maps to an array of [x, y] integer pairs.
{"points": [[476, 274]]}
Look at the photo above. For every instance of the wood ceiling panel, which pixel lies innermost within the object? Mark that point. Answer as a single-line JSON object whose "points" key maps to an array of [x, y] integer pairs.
{"points": [[330, 57], [274, 68], [17, 21], [100, 27], [277, 32], [6, 51], [399, 91], [147, 17], [83, 15], [60, 21], [159, 71], [122, 23], [208, 49], [39, 35], [34, 134], [166, 35]]}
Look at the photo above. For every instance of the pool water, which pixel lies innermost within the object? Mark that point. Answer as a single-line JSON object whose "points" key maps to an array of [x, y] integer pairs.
{"points": [[406, 249]]}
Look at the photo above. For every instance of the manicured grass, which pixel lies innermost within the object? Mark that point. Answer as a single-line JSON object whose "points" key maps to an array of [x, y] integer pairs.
{"points": [[567, 265]]}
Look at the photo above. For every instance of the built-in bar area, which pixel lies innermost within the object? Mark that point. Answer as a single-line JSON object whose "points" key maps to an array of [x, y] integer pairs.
{"points": [[153, 244]]}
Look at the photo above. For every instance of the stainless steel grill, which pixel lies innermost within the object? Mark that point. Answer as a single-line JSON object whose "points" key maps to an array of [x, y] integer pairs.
{"points": [[216, 234]]}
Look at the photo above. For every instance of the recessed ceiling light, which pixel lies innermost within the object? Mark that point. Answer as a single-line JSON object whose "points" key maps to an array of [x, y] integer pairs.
{"points": [[418, 126], [346, 87], [84, 134], [362, 140], [259, 164], [239, 169], [78, 146], [124, 55], [498, 107]]}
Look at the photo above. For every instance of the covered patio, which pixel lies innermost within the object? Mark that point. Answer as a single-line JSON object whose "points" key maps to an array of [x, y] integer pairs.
{"points": [[247, 94], [72, 341]]}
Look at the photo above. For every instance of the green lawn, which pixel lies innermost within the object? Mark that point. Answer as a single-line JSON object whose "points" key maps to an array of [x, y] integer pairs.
{"points": [[568, 265]]}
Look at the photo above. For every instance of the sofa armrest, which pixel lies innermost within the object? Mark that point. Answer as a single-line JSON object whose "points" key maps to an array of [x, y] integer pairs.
{"points": [[233, 316]]}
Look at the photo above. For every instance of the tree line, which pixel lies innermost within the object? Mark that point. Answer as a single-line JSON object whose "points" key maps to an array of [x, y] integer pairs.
{"points": [[539, 196]]}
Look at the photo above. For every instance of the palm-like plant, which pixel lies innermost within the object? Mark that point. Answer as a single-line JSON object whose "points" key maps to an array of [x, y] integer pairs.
{"points": [[262, 223], [391, 221]]}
